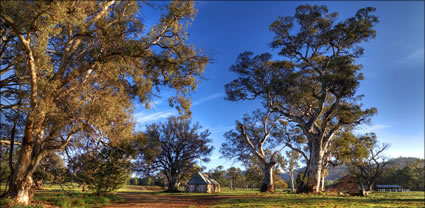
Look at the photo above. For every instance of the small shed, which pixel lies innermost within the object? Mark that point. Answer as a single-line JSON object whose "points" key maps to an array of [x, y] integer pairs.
{"points": [[202, 183], [390, 188], [346, 184]]}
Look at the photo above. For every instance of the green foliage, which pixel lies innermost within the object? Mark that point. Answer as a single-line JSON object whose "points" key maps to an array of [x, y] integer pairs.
{"points": [[150, 181], [219, 174], [103, 171], [235, 177], [409, 176], [80, 200], [51, 170], [346, 146], [53, 195], [370, 167], [8, 203], [4, 171], [133, 181], [279, 183]]}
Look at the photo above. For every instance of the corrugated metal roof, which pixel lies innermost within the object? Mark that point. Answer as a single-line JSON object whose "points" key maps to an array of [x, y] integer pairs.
{"points": [[388, 186], [201, 179]]}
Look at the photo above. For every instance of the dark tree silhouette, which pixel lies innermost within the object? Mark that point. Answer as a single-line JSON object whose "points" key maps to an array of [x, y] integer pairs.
{"points": [[172, 148]]}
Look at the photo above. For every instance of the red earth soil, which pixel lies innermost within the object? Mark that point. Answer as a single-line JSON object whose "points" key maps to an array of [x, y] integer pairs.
{"points": [[157, 199]]}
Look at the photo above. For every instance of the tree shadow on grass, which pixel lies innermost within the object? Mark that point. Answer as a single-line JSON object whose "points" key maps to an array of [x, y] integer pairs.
{"points": [[311, 200]]}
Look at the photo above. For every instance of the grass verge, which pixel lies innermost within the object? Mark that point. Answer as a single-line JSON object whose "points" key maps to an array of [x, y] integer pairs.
{"points": [[52, 195], [410, 199]]}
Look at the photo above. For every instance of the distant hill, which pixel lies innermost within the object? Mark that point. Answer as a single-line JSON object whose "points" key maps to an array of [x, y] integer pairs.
{"points": [[342, 170], [403, 161], [334, 172]]}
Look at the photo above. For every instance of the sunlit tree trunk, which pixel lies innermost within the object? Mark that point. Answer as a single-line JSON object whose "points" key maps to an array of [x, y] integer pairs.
{"points": [[268, 185], [22, 186], [291, 174], [311, 182], [363, 191]]}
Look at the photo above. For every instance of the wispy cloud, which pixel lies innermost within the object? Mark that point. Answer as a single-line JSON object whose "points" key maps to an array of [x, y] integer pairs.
{"points": [[414, 57], [221, 129], [372, 128], [205, 99], [144, 118], [419, 53]]}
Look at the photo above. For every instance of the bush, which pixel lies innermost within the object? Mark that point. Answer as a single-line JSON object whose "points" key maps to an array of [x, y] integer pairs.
{"points": [[4, 171], [103, 171], [75, 200], [133, 181]]}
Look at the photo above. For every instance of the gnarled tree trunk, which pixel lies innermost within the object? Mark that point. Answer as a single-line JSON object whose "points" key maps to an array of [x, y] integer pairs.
{"points": [[172, 186], [363, 191], [21, 185], [268, 185], [22, 190], [311, 181], [370, 188], [172, 182]]}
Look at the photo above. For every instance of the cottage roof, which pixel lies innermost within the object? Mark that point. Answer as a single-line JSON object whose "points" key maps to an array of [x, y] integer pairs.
{"points": [[201, 179], [388, 186]]}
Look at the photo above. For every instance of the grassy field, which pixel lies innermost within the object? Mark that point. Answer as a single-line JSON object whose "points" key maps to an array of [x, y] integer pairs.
{"points": [[282, 198], [66, 197], [410, 199], [53, 196]]}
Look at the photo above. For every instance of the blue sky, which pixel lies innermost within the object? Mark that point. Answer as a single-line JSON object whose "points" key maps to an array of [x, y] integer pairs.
{"points": [[393, 68]]}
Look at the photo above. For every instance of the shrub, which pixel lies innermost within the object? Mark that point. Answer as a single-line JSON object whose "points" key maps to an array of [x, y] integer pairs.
{"points": [[103, 171]]}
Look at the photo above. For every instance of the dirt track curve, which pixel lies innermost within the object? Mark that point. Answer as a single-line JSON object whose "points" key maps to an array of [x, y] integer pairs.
{"points": [[156, 199]]}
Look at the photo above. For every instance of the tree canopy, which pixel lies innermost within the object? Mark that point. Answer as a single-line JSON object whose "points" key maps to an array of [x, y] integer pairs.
{"points": [[81, 64]]}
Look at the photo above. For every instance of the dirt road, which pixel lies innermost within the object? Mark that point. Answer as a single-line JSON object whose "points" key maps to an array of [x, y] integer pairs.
{"points": [[158, 199]]}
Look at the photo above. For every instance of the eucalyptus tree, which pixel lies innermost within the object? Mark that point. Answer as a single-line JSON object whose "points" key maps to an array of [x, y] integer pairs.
{"points": [[254, 174], [369, 168], [234, 176], [314, 86], [259, 136], [172, 149], [83, 63], [293, 159], [219, 174]]}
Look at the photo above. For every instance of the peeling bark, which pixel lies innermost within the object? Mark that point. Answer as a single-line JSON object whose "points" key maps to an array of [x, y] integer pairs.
{"points": [[22, 190], [313, 172], [268, 185], [291, 174]]}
